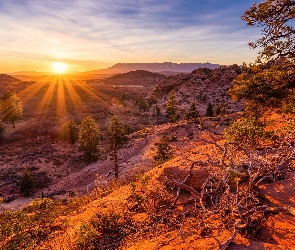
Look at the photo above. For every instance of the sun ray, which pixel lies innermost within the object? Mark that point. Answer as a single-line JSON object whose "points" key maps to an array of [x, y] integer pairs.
{"points": [[60, 100], [77, 102], [26, 94], [40, 111]]}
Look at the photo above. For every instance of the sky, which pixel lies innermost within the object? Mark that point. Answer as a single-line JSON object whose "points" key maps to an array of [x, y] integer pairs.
{"points": [[95, 34]]}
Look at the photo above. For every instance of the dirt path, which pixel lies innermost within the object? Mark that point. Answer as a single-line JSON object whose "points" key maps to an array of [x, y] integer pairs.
{"points": [[86, 179]]}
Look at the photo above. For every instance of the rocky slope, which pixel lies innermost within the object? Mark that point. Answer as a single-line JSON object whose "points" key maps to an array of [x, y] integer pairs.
{"points": [[202, 86]]}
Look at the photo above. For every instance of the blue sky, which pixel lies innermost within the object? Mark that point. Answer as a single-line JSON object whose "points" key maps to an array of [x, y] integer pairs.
{"points": [[93, 34]]}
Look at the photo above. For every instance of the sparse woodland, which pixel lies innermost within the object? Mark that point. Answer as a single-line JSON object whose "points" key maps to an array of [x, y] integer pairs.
{"points": [[196, 170]]}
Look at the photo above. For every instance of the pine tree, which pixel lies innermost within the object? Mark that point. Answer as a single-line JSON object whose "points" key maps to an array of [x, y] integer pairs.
{"points": [[70, 132], [164, 150], [209, 110], [269, 83], [192, 113], [27, 183], [11, 108], [117, 134], [171, 107], [88, 138]]}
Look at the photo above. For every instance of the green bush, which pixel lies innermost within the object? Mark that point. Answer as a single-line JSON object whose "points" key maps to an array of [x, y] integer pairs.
{"points": [[164, 150], [248, 131]]}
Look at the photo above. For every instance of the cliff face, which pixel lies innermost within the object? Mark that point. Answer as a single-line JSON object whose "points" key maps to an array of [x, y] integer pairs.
{"points": [[201, 86]]}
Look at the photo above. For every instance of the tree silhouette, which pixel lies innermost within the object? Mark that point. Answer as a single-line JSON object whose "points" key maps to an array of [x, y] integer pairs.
{"points": [[27, 183]]}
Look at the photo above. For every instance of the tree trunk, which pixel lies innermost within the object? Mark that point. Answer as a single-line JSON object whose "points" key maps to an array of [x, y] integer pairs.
{"points": [[116, 167]]}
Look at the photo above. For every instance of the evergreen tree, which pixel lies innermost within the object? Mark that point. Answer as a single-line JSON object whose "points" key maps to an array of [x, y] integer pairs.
{"points": [[270, 82], [209, 110], [11, 108], [164, 150], [70, 132], [118, 137], [192, 113], [88, 138], [27, 183], [171, 107]]}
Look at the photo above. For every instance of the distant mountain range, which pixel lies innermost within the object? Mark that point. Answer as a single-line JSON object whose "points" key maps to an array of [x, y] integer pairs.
{"points": [[155, 67], [165, 68]]}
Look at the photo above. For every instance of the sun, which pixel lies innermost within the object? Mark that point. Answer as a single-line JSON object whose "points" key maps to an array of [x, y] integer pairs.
{"points": [[59, 67]]}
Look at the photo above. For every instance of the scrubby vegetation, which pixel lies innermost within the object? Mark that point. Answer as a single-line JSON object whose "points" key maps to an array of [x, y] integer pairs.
{"points": [[201, 179]]}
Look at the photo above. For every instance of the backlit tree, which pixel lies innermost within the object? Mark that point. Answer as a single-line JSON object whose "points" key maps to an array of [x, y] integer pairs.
{"points": [[117, 135], [69, 131], [11, 107], [270, 82], [88, 138]]}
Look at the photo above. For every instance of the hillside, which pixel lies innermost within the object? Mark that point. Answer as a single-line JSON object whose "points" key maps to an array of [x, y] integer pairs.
{"points": [[205, 196], [155, 67], [202, 86], [138, 211], [135, 78], [8, 82]]}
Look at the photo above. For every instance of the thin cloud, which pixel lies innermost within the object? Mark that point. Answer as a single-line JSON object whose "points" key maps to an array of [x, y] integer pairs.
{"points": [[113, 31]]}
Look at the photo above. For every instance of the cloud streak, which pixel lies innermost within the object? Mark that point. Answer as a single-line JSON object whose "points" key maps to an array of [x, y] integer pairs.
{"points": [[106, 32]]}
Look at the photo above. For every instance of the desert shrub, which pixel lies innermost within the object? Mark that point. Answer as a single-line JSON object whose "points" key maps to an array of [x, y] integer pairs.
{"points": [[69, 132], [248, 131], [88, 138], [87, 237], [164, 150], [102, 232], [27, 228], [220, 109], [27, 183]]}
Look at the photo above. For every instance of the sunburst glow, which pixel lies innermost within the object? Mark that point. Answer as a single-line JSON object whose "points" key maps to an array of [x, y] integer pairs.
{"points": [[59, 67]]}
